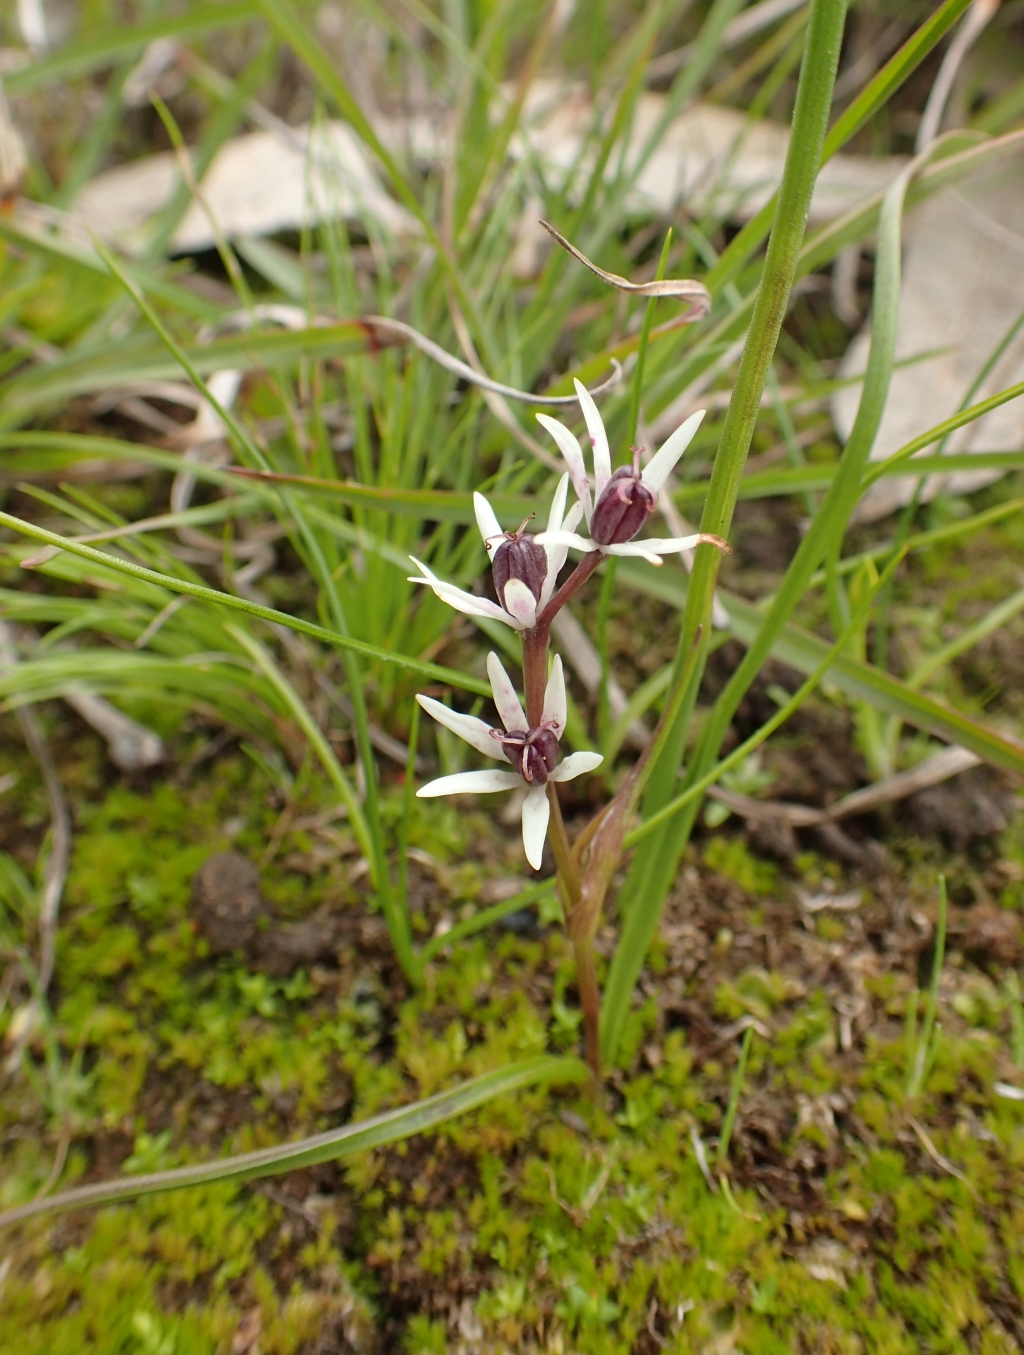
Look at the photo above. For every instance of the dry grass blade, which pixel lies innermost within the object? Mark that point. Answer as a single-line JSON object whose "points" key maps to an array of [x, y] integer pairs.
{"points": [[386, 331], [930, 772], [678, 289], [940, 1159]]}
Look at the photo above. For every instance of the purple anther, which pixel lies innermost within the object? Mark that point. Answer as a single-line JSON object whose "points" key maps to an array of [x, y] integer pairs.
{"points": [[533, 752]]}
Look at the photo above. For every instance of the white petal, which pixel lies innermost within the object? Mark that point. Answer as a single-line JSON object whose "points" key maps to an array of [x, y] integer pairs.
{"points": [[469, 783], [572, 518], [474, 606], [487, 522], [575, 765], [567, 539], [536, 812], [637, 548], [505, 698], [662, 464], [468, 603], [475, 732], [556, 559], [558, 504], [429, 577], [520, 604], [556, 553], [659, 545], [554, 696], [570, 449], [598, 439]]}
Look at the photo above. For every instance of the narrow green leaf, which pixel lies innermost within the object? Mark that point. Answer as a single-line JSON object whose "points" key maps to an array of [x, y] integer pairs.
{"points": [[863, 682], [892, 75], [58, 249], [884, 85], [140, 360], [91, 51], [432, 671], [390, 1127]]}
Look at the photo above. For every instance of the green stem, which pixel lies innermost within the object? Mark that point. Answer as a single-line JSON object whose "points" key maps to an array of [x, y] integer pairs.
{"points": [[641, 352], [810, 120], [873, 97], [590, 1003], [734, 1099]]}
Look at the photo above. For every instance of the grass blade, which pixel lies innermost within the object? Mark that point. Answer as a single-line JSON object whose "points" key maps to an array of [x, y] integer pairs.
{"points": [[432, 671], [390, 1127]]}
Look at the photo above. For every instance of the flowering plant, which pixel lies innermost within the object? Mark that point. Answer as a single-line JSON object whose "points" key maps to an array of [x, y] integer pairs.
{"points": [[615, 506]]}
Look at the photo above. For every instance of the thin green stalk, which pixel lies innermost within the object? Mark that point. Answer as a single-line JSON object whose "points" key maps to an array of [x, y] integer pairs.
{"points": [[651, 879], [314, 735], [608, 582], [636, 393], [921, 1051], [395, 915], [735, 1090], [696, 790], [646, 888], [889, 466], [968, 638], [873, 97], [290, 25], [408, 796], [814, 94]]}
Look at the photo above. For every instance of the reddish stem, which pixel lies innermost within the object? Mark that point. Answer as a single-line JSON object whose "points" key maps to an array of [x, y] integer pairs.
{"points": [[573, 584], [535, 672]]}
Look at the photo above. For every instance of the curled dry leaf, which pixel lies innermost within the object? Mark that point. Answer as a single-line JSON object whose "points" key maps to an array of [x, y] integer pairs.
{"points": [[678, 289]]}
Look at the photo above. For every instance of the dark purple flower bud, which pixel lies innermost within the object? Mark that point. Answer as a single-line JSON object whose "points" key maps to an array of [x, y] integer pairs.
{"points": [[622, 509], [533, 753], [519, 557]]}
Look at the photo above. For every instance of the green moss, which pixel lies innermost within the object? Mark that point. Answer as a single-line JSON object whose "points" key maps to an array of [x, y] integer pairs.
{"points": [[731, 857], [582, 1228]]}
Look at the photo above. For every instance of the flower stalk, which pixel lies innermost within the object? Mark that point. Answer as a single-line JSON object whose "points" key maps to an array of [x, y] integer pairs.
{"points": [[614, 505]]}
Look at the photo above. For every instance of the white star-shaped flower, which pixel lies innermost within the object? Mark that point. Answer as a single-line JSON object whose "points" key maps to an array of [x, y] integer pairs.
{"points": [[521, 602], [615, 506], [532, 752]]}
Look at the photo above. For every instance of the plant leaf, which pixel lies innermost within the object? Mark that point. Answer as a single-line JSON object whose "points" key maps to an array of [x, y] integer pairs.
{"points": [[327, 1147]]}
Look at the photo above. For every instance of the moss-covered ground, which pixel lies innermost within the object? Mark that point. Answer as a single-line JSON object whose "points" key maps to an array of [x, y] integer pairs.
{"points": [[852, 1218]]}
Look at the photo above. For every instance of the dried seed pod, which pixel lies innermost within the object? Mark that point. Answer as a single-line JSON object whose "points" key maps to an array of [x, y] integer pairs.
{"points": [[622, 509]]}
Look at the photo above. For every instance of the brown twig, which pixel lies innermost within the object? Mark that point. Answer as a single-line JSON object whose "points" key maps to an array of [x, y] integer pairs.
{"points": [[933, 770]]}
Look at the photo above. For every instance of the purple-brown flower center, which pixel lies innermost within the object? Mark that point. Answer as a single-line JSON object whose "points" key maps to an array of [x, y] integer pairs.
{"points": [[519, 557], [623, 507], [533, 752]]}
